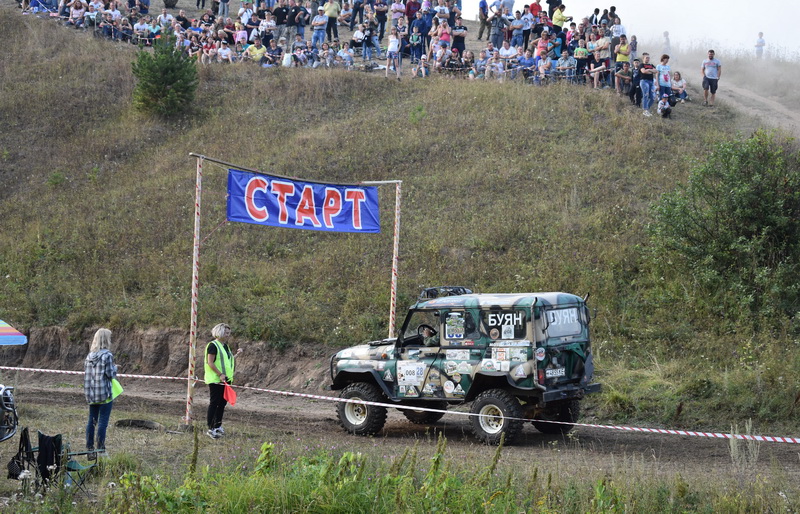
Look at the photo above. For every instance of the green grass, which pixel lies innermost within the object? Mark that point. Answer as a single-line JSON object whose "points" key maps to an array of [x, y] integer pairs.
{"points": [[269, 468], [505, 188]]}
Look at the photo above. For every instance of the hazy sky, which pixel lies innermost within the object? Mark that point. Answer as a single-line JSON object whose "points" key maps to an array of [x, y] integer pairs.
{"points": [[726, 24]]}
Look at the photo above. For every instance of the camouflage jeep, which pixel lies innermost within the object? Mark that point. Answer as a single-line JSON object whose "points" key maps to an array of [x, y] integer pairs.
{"points": [[512, 355]]}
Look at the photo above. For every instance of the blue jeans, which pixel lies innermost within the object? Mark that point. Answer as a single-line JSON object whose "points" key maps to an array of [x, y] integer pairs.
{"points": [[647, 93], [377, 44], [366, 50], [516, 40], [318, 38], [98, 417], [664, 90], [223, 10]]}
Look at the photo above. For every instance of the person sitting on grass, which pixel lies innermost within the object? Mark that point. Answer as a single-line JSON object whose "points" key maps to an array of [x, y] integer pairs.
{"points": [[255, 52], [421, 69], [479, 67], [623, 79], [679, 87], [346, 55], [274, 54], [76, 13], [224, 53], [209, 51]]}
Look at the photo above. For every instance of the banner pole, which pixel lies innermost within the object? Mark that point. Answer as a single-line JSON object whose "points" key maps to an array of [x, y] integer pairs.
{"points": [[195, 287], [396, 251]]}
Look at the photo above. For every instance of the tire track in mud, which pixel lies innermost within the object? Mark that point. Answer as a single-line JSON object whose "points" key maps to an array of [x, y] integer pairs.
{"points": [[316, 420]]}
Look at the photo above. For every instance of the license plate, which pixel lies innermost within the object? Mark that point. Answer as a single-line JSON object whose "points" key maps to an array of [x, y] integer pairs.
{"points": [[556, 372]]}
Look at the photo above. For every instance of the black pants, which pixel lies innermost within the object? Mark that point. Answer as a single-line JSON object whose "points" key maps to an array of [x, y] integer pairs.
{"points": [[635, 94], [216, 406], [331, 28]]}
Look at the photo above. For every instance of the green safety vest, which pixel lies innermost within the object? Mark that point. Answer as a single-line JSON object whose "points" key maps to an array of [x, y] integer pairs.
{"points": [[224, 361]]}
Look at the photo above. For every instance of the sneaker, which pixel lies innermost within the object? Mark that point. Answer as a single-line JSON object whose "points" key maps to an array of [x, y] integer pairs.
{"points": [[220, 430], [683, 101], [646, 113], [212, 433], [705, 102]]}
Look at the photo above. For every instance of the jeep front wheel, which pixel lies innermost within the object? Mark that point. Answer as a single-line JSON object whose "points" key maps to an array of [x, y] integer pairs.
{"points": [[566, 411], [358, 418], [422, 417], [495, 409]]}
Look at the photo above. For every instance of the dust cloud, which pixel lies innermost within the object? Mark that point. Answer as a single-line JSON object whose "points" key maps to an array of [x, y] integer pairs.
{"points": [[730, 26]]}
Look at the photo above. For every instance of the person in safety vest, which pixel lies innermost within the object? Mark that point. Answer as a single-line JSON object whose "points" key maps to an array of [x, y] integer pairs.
{"points": [[219, 367]]}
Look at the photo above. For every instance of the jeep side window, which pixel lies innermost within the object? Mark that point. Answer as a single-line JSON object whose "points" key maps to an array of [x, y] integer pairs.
{"points": [[413, 334]]}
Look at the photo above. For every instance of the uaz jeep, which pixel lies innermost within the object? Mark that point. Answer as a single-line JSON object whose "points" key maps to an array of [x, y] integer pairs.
{"points": [[513, 356]]}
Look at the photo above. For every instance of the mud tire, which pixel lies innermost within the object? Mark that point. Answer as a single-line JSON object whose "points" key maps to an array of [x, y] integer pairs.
{"points": [[499, 403], [568, 411], [425, 417], [362, 419]]}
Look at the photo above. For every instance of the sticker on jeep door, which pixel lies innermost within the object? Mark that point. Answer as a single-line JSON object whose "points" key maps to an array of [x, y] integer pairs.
{"points": [[505, 324]]}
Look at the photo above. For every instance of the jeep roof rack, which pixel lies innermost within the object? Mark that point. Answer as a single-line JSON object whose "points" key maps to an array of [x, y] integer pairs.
{"points": [[429, 293]]}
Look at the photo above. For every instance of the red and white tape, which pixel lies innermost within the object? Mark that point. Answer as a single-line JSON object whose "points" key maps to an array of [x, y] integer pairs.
{"points": [[645, 430]]}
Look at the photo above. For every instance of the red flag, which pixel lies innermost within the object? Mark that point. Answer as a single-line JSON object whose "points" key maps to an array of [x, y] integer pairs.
{"points": [[229, 394]]}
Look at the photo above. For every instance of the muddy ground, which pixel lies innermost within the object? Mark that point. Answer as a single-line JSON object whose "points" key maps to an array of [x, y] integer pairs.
{"points": [[316, 420]]}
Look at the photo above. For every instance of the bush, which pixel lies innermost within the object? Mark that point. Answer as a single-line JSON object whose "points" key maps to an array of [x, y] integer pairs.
{"points": [[735, 227], [167, 79]]}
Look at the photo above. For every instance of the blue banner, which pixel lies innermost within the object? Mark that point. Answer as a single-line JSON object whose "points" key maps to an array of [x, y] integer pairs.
{"points": [[289, 203]]}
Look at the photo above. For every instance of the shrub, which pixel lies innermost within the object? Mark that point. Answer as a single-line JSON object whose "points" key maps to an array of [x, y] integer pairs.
{"points": [[735, 227], [167, 79]]}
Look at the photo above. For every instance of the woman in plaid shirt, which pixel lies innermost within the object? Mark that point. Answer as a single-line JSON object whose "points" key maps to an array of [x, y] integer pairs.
{"points": [[99, 371]]}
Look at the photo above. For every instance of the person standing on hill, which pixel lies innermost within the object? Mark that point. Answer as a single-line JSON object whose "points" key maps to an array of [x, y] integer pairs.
{"points": [[99, 370], [760, 44], [712, 72], [219, 368], [648, 72]]}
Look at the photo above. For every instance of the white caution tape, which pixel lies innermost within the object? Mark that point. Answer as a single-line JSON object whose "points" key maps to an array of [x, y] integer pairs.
{"points": [[645, 430]]}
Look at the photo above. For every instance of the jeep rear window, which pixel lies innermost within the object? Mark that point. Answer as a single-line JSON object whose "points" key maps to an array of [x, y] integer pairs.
{"points": [[563, 322]]}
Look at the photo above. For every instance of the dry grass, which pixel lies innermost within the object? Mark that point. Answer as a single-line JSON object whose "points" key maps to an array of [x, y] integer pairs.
{"points": [[506, 188]]}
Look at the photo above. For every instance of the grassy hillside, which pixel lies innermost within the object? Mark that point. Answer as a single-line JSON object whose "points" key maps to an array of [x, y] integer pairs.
{"points": [[505, 188]]}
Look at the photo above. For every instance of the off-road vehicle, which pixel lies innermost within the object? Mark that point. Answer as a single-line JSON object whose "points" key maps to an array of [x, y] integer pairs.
{"points": [[513, 356]]}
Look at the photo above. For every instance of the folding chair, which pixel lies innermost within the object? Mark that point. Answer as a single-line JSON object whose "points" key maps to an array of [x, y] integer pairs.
{"points": [[77, 473], [53, 457]]}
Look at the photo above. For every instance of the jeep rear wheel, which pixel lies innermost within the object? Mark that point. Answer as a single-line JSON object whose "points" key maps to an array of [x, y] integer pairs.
{"points": [[421, 417], [495, 407], [358, 418], [566, 411]]}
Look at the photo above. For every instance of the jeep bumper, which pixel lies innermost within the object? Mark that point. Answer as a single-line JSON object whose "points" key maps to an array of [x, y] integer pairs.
{"points": [[569, 392]]}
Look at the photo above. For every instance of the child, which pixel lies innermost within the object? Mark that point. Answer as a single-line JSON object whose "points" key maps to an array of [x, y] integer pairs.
{"points": [[634, 45], [416, 45], [421, 69], [664, 108]]}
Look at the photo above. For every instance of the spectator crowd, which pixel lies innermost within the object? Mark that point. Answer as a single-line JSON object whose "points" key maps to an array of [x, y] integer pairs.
{"points": [[536, 44]]}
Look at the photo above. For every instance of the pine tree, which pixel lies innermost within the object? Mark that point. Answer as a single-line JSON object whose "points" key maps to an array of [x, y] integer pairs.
{"points": [[167, 79]]}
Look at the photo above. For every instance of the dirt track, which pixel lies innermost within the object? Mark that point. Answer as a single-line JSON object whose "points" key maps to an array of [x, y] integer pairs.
{"points": [[316, 420]]}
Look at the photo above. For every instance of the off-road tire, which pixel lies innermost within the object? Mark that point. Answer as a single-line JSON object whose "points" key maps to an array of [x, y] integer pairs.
{"points": [[500, 403], [568, 411], [421, 417], [362, 419]]}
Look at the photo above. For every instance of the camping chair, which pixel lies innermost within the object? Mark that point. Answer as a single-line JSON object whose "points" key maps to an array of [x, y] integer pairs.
{"points": [[52, 457]]}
